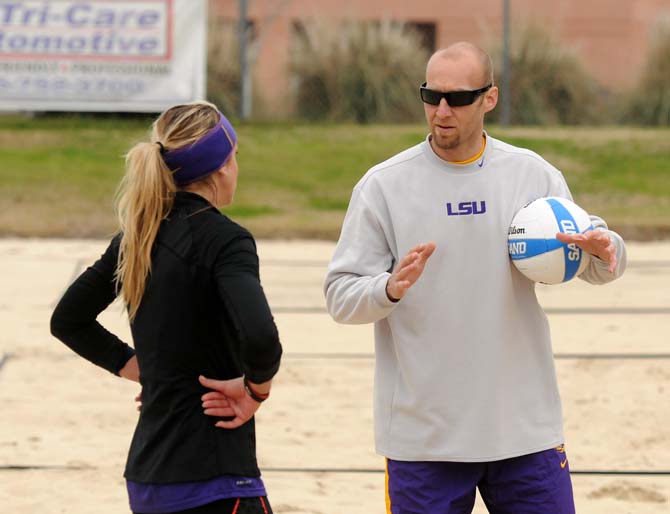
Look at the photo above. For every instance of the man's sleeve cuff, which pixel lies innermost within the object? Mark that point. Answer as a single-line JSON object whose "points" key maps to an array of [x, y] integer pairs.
{"points": [[379, 292]]}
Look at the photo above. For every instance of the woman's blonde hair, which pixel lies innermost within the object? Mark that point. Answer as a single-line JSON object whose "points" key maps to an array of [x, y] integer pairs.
{"points": [[146, 193]]}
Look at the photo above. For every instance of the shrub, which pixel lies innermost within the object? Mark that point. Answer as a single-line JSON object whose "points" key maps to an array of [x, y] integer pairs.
{"points": [[223, 66], [548, 83], [360, 71], [649, 103]]}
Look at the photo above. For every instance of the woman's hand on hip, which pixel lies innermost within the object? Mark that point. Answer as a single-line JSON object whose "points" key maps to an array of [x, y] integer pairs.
{"points": [[228, 399]]}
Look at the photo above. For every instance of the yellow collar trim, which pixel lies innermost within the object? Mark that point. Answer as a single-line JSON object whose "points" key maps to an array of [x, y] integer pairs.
{"points": [[473, 159]]}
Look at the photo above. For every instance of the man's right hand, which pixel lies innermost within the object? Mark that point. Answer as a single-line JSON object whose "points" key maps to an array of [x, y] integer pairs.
{"points": [[408, 271]]}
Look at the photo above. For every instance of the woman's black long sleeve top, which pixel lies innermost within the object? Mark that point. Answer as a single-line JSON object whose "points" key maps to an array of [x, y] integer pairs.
{"points": [[203, 312]]}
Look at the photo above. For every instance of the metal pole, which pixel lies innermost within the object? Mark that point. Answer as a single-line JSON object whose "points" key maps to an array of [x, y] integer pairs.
{"points": [[506, 72], [245, 78]]}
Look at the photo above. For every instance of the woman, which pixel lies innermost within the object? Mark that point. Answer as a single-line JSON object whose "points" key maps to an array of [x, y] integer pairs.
{"points": [[189, 278]]}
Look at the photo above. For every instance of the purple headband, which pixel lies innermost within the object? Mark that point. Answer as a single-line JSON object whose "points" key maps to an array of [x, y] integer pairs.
{"points": [[205, 156]]}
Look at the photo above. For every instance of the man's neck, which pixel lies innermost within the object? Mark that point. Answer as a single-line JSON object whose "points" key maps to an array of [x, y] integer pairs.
{"points": [[461, 154]]}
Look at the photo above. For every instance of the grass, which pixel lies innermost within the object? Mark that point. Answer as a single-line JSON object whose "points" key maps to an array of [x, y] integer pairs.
{"points": [[59, 174]]}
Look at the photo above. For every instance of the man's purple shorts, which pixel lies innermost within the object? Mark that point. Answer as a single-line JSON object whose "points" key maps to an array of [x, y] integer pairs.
{"points": [[538, 483]]}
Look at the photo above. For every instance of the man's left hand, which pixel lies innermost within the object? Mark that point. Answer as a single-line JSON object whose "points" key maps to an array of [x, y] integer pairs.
{"points": [[595, 242]]}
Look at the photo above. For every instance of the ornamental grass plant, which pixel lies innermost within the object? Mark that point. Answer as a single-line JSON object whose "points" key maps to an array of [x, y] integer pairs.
{"points": [[548, 83], [649, 102], [357, 71], [223, 65]]}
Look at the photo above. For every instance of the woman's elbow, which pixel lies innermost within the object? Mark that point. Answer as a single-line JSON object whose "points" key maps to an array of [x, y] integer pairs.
{"points": [[56, 325], [59, 325]]}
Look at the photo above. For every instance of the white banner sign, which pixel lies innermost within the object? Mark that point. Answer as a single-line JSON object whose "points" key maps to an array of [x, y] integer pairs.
{"points": [[101, 55]]}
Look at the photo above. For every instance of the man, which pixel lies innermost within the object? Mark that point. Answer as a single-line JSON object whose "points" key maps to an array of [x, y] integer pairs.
{"points": [[465, 388]]}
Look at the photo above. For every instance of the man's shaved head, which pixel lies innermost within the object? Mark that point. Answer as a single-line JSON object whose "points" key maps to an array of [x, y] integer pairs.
{"points": [[465, 49]]}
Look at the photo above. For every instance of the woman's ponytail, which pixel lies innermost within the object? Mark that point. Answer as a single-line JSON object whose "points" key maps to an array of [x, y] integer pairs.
{"points": [[144, 199]]}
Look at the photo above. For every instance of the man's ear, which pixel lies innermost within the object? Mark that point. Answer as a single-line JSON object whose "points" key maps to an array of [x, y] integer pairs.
{"points": [[491, 99]]}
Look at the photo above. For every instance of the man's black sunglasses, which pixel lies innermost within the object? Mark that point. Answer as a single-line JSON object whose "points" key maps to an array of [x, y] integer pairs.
{"points": [[453, 98]]}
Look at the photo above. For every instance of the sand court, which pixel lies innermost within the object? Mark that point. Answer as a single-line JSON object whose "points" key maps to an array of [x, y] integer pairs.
{"points": [[66, 424]]}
